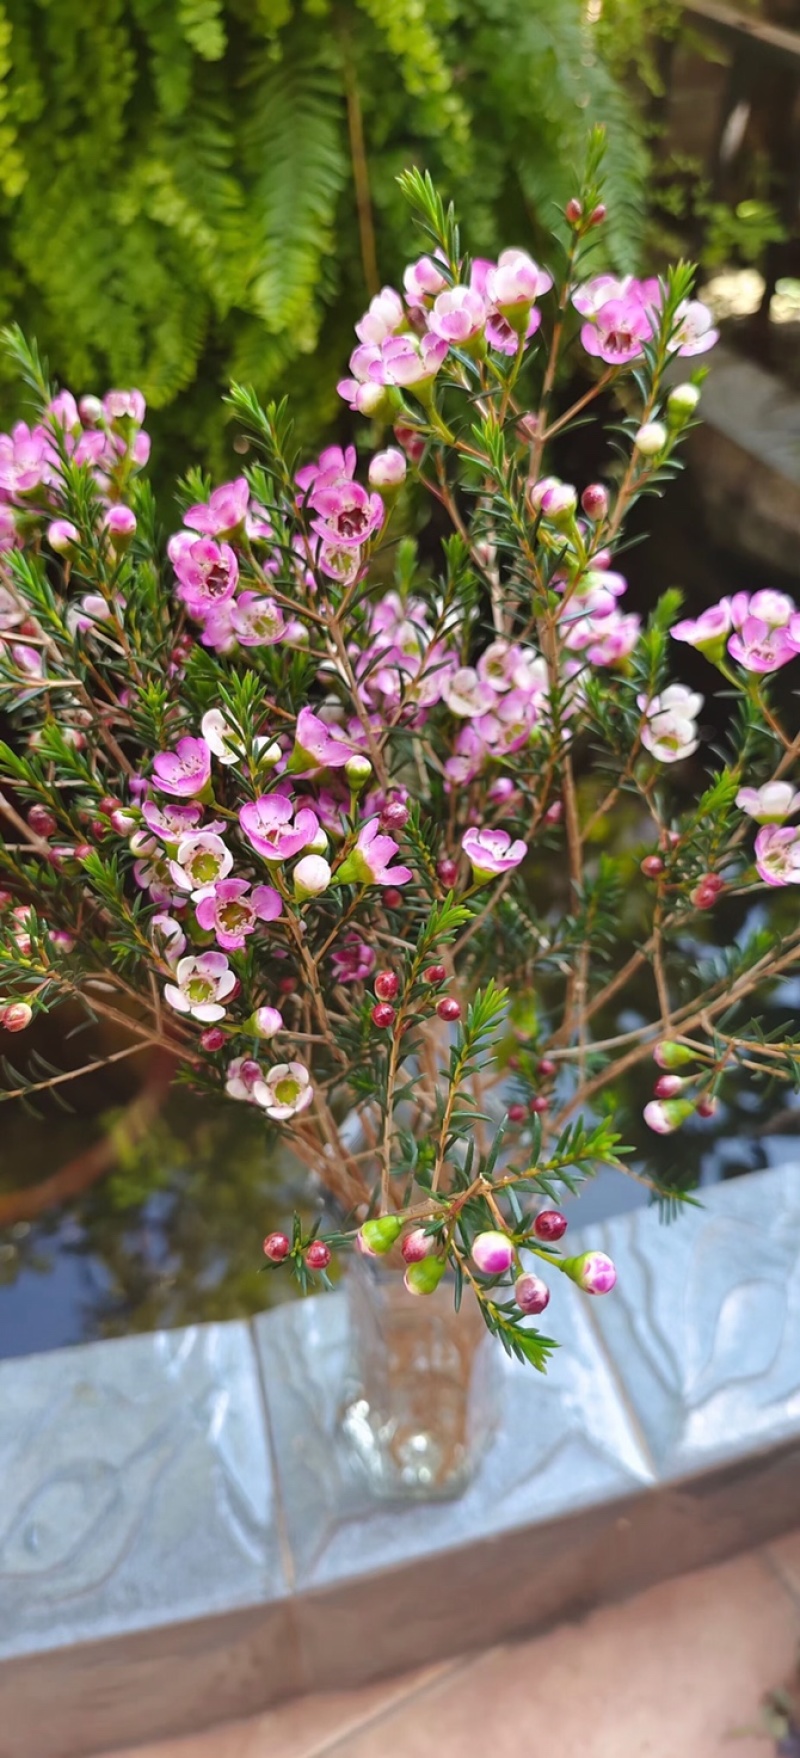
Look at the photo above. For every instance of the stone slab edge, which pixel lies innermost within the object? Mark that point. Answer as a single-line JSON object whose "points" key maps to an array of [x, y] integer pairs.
{"points": [[733, 1483]]}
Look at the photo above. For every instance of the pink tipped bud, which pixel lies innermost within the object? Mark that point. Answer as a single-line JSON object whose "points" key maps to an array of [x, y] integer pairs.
{"points": [[213, 1039], [276, 1247], [517, 1113], [311, 877], [448, 1008], [386, 985], [387, 470], [652, 866], [15, 1016], [492, 1253], [554, 813], [41, 821], [120, 524], [538, 1104], [434, 973], [598, 214], [546, 1068], [417, 1245], [668, 1054], [383, 1016], [594, 501], [668, 1086], [63, 536], [266, 1021], [531, 1293], [593, 1271], [707, 1106], [573, 210], [394, 815], [318, 1255], [666, 1115], [447, 870], [550, 1225]]}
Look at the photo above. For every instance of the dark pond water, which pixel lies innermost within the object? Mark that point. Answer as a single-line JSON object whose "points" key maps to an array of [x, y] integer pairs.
{"points": [[172, 1234]]}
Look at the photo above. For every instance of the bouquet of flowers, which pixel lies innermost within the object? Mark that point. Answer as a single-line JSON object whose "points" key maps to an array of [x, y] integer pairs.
{"points": [[304, 799]]}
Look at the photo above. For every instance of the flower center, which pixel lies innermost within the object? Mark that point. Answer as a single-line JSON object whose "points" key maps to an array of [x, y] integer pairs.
{"points": [[204, 866], [233, 916], [199, 989], [216, 580], [286, 1091]]}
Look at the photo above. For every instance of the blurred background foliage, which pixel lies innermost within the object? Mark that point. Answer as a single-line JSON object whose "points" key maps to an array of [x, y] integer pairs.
{"points": [[205, 190]]}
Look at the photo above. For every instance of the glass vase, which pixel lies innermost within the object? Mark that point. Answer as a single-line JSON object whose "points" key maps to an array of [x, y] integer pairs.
{"points": [[423, 1384]]}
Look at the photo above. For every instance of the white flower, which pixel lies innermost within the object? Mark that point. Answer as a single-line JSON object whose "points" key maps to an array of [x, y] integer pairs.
{"points": [[202, 985], [285, 1091]]}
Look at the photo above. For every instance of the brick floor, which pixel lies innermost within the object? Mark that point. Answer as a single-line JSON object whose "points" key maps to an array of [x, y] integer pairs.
{"points": [[677, 1672]]}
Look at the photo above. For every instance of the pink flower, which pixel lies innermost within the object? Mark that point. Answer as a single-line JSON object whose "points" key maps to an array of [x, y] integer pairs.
{"points": [[670, 733], [778, 854], [27, 459], [202, 859], [617, 331], [257, 621], [384, 317], [317, 745], [405, 360], [709, 631], [353, 960], [225, 510], [491, 852], [331, 467], [124, 406], [601, 289], [465, 694], [201, 986], [516, 281], [184, 772], [368, 862], [275, 830], [694, 332], [346, 515], [501, 335], [63, 412], [422, 281], [231, 914], [207, 572], [760, 646], [458, 315], [243, 1074], [285, 1091], [770, 804], [170, 823]]}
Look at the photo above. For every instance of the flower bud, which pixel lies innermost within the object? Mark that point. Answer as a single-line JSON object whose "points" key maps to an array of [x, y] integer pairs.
{"points": [[123, 822], [681, 404], [63, 537], [547, 1068], [90, 410], [447, 870], [517, 1113], [550, 1225], [394, 815], [15, 1016], [386, 985], [377, 1237], [559, 503], [531, 1293], [668, 1086], [424, 1275], [319, 843], [383, 1015], [652, 866], [212, 1039], [448, 1008], [417, 1245], [668, 1054], [492, 1253], [707, 1106], [651, 439], [666, 1115], [594, 501], [538, 1104], [120, 524], [311, 877], [41, 821], [593, 1272], [387, 471], [358, 771], [276, 1247], [573, 210], [266, 1021], [598, 214], [318, 1255], [434, 973]]}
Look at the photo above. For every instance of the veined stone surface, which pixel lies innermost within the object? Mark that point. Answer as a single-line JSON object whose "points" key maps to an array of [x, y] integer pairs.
{"points": [[704, 1323], [136, 1487]]}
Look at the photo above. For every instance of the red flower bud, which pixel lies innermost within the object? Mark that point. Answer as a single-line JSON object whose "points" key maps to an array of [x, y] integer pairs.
{"points": [[598, 214], [447, 870], [286, 986], [41, 821], [318, 1255], [386, 985], [434, 973], [573, 210], [392, 897], [652, 866], [538, 1104], [394, 815], [668, 1086], [383, 1015], [517, 1113], [276, 1248], [546, 1068], [212, 1039], [108, 805], [550, 1225], [448, 1008]]}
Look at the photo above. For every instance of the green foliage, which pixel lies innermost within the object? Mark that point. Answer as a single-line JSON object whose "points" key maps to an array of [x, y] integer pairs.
{"points": [[177, 187]]}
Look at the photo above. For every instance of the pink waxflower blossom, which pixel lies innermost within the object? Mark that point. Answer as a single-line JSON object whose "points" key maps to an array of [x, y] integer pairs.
{"points": [[708, 632], [334, 465], [184, 772], [387, 469], [120, 525], [63, 411], [497, 664], [168, 937], [227, 746], [777, 850], [28, 660], [63, 536], [491, 852], [124, 406], [465, 694], [670, 733], [267, 1022], [257, 621], [760, 646], [774, 608], [346, 515], [402, 360], [617, 331], [384, 317], [422, 281], [202, 859], [318, 745], [207, 573], [27, 459], [694, 331], [170, 823], [501, 335], [275, 829], [243, 1074], [593, 1271], [285, 1091], [592, 295], [458, 316], [223, 512], [368, 862], [353, 960], [232, 911], [9, 537], [311, 877], [11, 611], [516, 280], [770, 804], [202, 985]]}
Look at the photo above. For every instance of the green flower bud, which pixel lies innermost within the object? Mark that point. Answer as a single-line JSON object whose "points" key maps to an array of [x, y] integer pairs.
{"points": [[378, 1236], [424, 1277]]}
